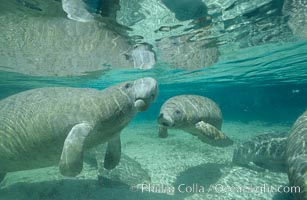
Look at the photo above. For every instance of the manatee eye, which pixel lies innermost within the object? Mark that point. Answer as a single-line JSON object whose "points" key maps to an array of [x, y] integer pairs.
{"points": [[177, 112], [128, 85], [152, 96]]}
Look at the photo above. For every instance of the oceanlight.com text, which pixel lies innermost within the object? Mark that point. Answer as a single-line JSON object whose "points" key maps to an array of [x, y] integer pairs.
{"points": [[264, 188], [215, 188]]}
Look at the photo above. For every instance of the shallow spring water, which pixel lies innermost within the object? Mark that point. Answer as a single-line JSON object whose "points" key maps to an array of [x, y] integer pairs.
{"points": [[249, 57]]}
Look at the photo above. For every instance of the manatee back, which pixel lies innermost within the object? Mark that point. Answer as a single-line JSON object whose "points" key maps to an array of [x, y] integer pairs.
{"points": [[297, 156], [198, 108]]}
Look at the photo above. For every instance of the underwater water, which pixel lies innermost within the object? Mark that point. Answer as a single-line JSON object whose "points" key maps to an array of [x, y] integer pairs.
{"points": [[250, 57]]}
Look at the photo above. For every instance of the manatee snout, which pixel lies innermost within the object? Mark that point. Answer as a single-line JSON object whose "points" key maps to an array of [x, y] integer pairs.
{"points": [[146, 91], [165, 120]]}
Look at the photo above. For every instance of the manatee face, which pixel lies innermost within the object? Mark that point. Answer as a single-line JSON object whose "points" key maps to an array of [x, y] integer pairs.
{"points": [[145, 90], [171, 116]]}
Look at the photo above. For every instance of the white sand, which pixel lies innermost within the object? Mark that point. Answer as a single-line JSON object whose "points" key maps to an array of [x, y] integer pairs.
{"points": [[179, 160]]}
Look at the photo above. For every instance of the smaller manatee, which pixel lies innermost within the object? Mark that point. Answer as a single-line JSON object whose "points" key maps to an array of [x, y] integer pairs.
{"points": [[197, 115]]}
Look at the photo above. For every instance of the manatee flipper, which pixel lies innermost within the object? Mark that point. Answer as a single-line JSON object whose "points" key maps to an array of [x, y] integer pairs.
{"points": [[2, 175], [71, 162], [211, 135], [112, 155], [163, 132]]}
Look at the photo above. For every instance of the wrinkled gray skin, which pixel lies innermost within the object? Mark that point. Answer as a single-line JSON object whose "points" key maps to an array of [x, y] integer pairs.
{"points": [[267, 151], [290, 152], [297, 156], [51, 126], [196, 115]]}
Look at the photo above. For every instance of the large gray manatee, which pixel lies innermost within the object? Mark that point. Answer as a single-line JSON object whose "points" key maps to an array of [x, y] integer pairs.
{"points": [[297, 156], [50, 126], [197, 115]]}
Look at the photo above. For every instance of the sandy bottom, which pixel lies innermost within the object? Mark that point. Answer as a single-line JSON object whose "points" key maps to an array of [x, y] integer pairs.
{"points": [[178, 167]]}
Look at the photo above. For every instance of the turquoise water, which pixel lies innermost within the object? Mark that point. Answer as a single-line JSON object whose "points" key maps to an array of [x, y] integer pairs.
{"points": [[246, 86], [249, 57]]}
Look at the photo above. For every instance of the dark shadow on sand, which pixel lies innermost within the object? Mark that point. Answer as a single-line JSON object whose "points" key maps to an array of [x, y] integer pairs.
{"points": [[198, 179], [72, 189], [106, 189]]}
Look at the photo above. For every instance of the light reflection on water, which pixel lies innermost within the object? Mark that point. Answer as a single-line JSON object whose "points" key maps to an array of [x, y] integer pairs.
{"points": [[258, 66]]}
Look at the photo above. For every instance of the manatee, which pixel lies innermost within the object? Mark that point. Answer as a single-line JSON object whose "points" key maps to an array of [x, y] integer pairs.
{"points": [[265, 151], [297, 156], [197, 115], [53, 126]]}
